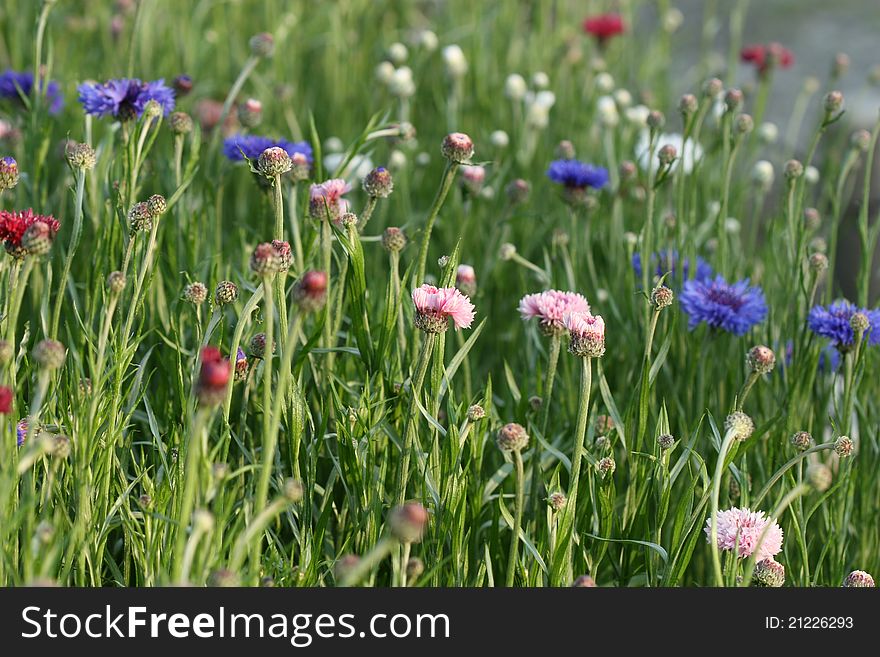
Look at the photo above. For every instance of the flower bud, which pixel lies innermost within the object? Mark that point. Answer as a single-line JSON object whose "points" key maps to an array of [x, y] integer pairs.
{"points": [[661, 297], [466, 280], [140, 218], [656, 120], [812, 218], [667, 154], [250, 113], [858, 579], [49, 354], [310, 292], [393, 239], [378, 183], [818, 475], [37, 239], [761, 359], [793, 170], [604, 425], [712, 87], [861, 140], [515, 87], [195, 293], [214, 374], [475, 412], [818, 262], [769, 573], [768, 133], [517, 191], [8, 173], [665, 441], [116, 282], [407, 523], [763, 174], [733, 100], [183, 84], [859, 323], [687, 105], [743, 124], [499, 139], [457, 147], [6, 352], [843, 446], [512, 437], [740, 425], [507, 251], [225, 293], [565, 150], [833, 103], [265, 260], [584, 582], [180, 123], [274, 161], [293, 490], [414, 568], [262, 45], [801, 441], [80, 156], [606, 466]]}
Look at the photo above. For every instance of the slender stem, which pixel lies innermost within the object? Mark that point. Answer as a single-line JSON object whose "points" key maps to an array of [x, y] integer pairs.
{"points": [[446, 183], [190, 486], [268, 454], [785, 468], [517, 518], [412, 419], [243, 320], [80, 175], [577, 456], [713, 509]]}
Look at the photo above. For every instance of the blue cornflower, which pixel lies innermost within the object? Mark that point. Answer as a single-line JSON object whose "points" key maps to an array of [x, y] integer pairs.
{"points": [[15, 84], [238, 147], [576, 174], [124, 99], [833, 323], [667, 261], [21, 431], [734, 308]]}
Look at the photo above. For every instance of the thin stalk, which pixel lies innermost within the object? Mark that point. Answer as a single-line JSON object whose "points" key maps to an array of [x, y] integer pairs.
{"points": [[80, 175], [720, 467], [512, 557], [445, 185]]}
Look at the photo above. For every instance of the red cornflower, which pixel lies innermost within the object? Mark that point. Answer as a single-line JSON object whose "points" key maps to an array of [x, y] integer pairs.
{"points": [[213, 377], [604, 26], [5, 400], [767, 57], [14, 224]]}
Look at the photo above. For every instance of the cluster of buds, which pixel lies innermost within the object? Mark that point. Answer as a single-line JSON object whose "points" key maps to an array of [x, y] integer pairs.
{"points": [[142, 215], [310, 292]]}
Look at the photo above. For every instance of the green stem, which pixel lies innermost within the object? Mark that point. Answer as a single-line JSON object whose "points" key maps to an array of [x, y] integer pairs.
{"points": [[80, 175], [720, 467], [517, 518], [577, 456], [446, 183]]}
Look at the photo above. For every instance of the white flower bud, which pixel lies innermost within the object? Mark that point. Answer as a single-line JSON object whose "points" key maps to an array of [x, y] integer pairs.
{"points": [[606, 109], [604, 83], [456, 64], [499, 139]]}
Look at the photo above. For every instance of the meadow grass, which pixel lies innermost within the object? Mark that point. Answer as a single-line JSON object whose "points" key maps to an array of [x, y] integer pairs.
{"points": [[141, 466]]}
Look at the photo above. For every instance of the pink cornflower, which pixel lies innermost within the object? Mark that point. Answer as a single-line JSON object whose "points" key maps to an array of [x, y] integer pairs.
{"points": [[435, 306], [587, 334], [742, 528], [326, 198], [551, 307], [604, 26], [767, 57]]}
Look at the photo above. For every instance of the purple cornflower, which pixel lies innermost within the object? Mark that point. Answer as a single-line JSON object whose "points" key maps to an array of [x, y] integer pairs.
{"points": [[21, 430], [124, 99], [833, 322], [577, 175], [667, 261], [734, 308], [238, 147], [15, 84]]}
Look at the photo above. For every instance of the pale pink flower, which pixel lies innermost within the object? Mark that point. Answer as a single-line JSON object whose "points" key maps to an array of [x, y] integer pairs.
{"points": [[741, 529], [587, 334], [551, 307], [326, 197], [435, 306]]}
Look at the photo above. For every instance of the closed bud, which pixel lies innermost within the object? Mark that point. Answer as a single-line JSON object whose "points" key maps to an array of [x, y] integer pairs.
{"points": [[818, 262], [407, 522], [733, 100], [265, 260], [262, 45], [414, 568], [858, 579], [225, 293], [80, 156], [378, 183], [457, 147], [712, 87], [393, 239], [740, 425], [475, 412], [840, 65], [801, 441], [833, 102], [812, 218], [273, 162], [843, 446], [666, 155], [507, 251], [665, 441], [606, 466], [180, 123], [793, 170], [37, 239], [761, 359], [310, 292], [687, 105], [8, 173], [195, 293], [140, 218], [769, 573], [49, 354], [116, 282], [293, 490], [565, 150], [250, 113], [656, 120], [584, 582], [512, 437], [661, 297], [744, 124], [861, 140], [818, 475], [517, 191]]}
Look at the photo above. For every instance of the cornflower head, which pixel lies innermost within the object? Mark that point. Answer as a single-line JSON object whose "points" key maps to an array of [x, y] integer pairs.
{"points": [[16, 85], [325, 199], [835, 323], [734, 308], [587, 334], [238, 147], [125, 99], [436, 306], [214, 374], [14, 225], [767, 57], [550, 308], [740, 530], [604, 26], [241, 365], [576, 178]]}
